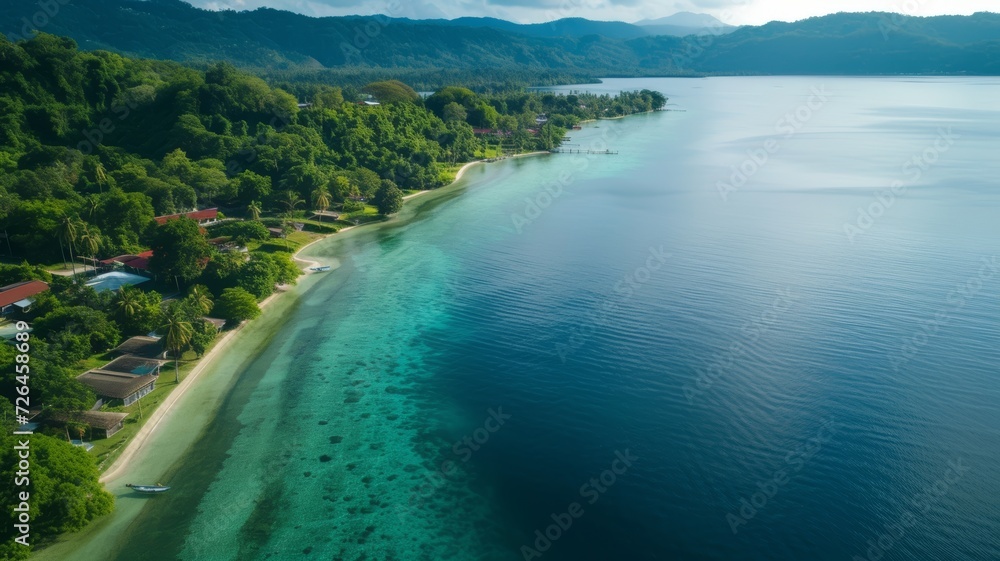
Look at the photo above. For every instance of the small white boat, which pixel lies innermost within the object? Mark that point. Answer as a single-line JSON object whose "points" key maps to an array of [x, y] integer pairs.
{"points": [[152, 489], [320, 269]]}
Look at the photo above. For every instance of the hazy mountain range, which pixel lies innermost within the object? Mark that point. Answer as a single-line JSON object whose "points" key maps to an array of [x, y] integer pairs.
{"points": [[848, 43], [685, 23]]}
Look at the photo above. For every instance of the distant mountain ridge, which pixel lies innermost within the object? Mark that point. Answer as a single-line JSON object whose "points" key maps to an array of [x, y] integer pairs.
{"points": [[683, 24], [847, 43], [683, 19], [567, 27]]}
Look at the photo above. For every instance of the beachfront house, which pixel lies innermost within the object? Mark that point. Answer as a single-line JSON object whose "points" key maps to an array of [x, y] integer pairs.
{"points": [[102, 423], [113, 387], [134, 365], [143, 346], [19, 296]]}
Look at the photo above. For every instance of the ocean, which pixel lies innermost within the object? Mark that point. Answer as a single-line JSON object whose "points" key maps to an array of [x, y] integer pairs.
{"points": [[768, 328]]}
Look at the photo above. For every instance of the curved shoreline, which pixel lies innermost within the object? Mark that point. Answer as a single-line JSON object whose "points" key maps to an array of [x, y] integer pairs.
{"points": [[164, 412], [173, 429]]}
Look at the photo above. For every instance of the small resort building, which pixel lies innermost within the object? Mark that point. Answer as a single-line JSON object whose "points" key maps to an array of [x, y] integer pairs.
{"points": [[19, 296], [139, 262], [202, 217], [135, 365], [143, 346], [105, 423], [112, 387]]}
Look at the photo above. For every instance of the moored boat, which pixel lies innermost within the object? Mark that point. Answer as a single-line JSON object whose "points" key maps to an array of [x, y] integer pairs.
{"points": [[152, 489]]}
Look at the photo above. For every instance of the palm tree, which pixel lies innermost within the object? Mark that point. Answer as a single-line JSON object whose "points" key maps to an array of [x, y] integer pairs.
{"points": [[254, 209], [321, 199], [92, 204], [90, 242], [67, 231], [127, 303], [100, 174], [178, 334], [291, 201], [200, 298]]}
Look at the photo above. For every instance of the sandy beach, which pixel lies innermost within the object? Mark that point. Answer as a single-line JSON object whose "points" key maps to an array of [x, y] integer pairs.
{"points": [[186, 413], [166, 410]]}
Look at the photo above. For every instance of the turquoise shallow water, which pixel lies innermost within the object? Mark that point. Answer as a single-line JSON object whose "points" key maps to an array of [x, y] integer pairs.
{"points": [[820, 379]]}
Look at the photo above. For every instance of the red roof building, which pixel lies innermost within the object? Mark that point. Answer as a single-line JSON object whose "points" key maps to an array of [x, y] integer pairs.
{"points": [[19, 293], [202, 217], [139, 262]]}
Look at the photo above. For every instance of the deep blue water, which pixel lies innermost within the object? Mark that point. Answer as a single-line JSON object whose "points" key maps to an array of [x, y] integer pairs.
{"points": [[766, 346], [822, 322]]}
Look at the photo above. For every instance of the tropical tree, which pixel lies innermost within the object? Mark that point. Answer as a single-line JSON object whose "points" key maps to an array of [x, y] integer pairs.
{"points": [[321, 200], [178, 332], [67, 231], [250, 186], [91, 205], [90, 241], [236, 304], [137, 311], [253, 209], [204, 334], [291, 201], [388, 199], [179, 250], [65, 494], [127, 303], [200, 298], [100, 175]]}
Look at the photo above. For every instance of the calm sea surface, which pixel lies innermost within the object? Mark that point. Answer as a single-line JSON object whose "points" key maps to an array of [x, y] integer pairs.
{"points": [[768, 329]]}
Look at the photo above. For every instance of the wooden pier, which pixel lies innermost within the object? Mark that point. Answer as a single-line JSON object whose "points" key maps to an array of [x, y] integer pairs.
{"points": [[578, 151]]}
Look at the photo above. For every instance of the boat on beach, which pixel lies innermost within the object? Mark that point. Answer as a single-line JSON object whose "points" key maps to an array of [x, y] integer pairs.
{"points": [[151, 489], [320, 269]]}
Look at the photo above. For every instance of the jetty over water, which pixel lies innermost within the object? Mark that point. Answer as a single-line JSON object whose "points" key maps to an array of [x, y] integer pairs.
{"points": [[579, 151]]}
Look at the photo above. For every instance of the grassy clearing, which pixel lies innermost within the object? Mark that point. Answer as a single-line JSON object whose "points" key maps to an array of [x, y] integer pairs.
{"points": [[449, 173], [291, 244], [107, 450]]}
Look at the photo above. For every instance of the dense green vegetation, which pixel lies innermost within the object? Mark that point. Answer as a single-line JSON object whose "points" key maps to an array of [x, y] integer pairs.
{"points": [[485, 53], [94, 146], [64, 493]]}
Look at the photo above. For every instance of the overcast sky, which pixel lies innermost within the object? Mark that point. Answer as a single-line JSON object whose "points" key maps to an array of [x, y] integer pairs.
{"points": [[735, 12]]}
